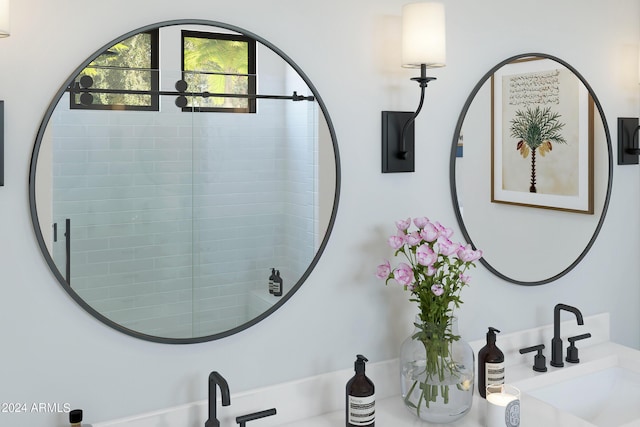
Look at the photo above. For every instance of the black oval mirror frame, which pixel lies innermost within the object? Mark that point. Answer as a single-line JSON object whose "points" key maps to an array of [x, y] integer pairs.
{"points": [[32, 189], [452, 168]]}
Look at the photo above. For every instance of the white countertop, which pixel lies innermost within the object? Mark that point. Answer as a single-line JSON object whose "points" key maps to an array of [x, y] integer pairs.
{"points": [[391, 412], [319, 401]]}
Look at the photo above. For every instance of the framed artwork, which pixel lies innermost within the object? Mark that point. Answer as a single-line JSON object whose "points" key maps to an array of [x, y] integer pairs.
{"points": [[542, 137]]}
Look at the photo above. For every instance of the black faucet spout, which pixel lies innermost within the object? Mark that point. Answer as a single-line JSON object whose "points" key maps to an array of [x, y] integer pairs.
{"points": [[556, 342], [217, 381]]}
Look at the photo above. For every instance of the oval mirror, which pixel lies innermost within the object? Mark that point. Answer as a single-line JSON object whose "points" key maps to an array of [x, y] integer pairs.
{"points": [[531, 168], [184, 181]]}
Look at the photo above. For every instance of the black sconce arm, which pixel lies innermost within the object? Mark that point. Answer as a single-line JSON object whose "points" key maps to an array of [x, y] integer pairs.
{"points": [[398, 147], [423, 81]]}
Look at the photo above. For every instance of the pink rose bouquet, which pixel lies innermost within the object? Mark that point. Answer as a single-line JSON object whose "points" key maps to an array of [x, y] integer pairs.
{"points": [[434, 267], [434, 272]]}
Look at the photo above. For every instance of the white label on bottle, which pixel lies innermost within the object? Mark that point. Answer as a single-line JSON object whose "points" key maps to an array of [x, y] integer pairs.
{"points": [[362, 410], [494, 373]]}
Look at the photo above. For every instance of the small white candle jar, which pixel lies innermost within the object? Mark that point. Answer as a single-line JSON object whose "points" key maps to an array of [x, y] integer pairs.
{"points": [[503, 406]]}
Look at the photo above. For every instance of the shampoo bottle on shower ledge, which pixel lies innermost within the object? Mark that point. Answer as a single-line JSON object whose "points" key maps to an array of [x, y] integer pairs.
{"points": [[277, 285], [272, 279]]}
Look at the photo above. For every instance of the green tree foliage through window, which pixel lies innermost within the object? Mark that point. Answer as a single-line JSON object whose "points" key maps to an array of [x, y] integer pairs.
{"points": [[130, 65], [219, 63]]}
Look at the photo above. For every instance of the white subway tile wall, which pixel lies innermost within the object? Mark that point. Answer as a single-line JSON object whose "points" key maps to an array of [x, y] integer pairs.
{"points": [[177, 218]]}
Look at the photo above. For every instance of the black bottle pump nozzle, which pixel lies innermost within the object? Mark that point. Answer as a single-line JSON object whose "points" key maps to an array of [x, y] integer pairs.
{"points": [[491, 334], [358, 365]]}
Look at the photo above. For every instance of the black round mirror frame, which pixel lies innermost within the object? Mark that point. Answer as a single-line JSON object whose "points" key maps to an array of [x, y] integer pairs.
{"points": [[452, 168], [32, 187]]}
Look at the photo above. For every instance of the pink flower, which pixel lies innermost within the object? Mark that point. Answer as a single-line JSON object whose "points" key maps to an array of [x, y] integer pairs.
{"points": [[403, 274], [437, 289], [425, 255], [403, 224], [467, 254], [446, 247], [413, 239], [465, 279], [429, 233], [443, 231], [383, 270], [396, 241], [431, 270], [421, 222]]}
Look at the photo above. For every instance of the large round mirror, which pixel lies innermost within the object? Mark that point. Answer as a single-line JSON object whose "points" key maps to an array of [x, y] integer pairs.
{"points": [[531, 168], [184, 181]]}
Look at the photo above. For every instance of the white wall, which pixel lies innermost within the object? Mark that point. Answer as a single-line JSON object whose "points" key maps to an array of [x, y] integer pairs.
{"points": [[54, 352]]}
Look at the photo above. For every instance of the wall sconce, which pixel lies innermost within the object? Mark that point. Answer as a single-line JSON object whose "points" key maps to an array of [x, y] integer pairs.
{"points": [[5, 27], [4, 32], [628, 150], [423, 46]]}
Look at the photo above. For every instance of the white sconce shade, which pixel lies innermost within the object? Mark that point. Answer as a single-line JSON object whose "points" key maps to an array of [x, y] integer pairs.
{"points": [[5, 28], [423, 35]]}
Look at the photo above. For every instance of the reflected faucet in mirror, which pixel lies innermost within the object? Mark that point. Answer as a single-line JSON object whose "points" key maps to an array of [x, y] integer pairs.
{"points": [[216, 381], [423, 46]]}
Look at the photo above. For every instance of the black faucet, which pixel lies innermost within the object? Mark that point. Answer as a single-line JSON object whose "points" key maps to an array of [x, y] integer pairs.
{"points": [[556, 342], [216, 380]]}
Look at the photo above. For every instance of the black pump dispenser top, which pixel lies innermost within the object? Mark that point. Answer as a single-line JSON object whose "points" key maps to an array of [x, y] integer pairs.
{"points": [[491, 335], [75, 416], [358, 365]]}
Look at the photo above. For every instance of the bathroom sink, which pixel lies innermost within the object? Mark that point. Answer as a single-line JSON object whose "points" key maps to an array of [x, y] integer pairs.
{"points": [[607, 397]]}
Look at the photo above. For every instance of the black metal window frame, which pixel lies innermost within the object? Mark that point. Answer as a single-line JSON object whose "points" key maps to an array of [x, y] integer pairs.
{"points": [[251, 74], [154, 90]]}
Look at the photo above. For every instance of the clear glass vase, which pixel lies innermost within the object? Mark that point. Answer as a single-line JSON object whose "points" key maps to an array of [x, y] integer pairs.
{"points": [[437, 372]]}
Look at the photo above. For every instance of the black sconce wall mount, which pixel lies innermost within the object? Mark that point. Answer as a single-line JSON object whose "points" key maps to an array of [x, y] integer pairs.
{"points": [[628, 148], [1, 143], [398, 133]]}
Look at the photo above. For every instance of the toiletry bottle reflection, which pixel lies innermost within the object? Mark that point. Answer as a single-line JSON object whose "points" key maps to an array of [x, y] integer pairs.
{"points": [[361, 399], [277, 284], [272, 279]]}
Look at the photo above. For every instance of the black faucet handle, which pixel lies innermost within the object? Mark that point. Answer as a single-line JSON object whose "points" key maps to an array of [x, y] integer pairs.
{"points": [[244, 419], [572, 350], [539, 361], [572, 340]]}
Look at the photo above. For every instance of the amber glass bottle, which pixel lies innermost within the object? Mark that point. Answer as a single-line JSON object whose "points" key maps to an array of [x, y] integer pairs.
{"points": [[490, 364], [361, 399]]}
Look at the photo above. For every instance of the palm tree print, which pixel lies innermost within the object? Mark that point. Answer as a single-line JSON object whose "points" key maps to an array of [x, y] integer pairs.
{"points": [[535, 129]]}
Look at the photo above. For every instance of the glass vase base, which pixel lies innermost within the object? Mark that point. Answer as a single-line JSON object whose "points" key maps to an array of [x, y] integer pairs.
{"points": [[447, 402], [437, 375]]}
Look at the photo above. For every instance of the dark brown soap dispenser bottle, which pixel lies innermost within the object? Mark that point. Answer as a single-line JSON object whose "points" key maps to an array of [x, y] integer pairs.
{"points": [[75, 419], [490, 364], [361, 397]]}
